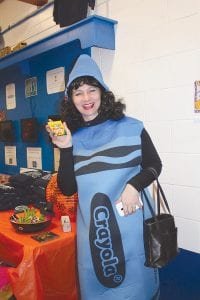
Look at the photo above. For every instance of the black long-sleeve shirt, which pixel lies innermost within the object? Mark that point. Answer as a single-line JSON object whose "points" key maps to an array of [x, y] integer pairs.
{"points": [[150, 159]]}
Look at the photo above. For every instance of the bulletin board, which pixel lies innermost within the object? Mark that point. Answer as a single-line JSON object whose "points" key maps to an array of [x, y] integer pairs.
{"points": [[33, 100]]}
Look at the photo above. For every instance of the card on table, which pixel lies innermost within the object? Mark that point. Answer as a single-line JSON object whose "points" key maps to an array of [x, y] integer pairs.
{"points": [[45, 236]]}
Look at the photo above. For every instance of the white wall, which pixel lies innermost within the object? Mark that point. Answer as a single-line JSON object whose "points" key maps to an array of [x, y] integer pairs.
{"points": [[154, 66], [41, 25]]}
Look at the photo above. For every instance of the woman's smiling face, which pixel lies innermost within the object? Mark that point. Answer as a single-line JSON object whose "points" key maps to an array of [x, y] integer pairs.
{"points": [[87, 100]]}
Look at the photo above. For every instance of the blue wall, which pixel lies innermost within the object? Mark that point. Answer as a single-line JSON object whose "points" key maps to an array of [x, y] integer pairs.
{"points": [[39, 106]]}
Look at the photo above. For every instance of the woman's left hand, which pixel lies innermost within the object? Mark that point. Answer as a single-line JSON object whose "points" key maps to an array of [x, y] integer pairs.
{"points": [[129, 199]]}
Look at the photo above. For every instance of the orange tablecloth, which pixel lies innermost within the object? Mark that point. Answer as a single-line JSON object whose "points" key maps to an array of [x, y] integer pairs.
{"points": [[43, 271]]}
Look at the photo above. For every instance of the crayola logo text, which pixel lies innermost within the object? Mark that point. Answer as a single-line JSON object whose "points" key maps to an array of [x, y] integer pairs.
{"points": [[103, 242], [109, 267]]}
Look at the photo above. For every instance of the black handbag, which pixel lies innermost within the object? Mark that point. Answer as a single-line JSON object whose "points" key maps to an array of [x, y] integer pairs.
{"points": [[160, 231]]}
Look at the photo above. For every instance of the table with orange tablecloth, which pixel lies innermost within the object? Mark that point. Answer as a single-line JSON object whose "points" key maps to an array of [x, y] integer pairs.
{"points": [[41, 271]]}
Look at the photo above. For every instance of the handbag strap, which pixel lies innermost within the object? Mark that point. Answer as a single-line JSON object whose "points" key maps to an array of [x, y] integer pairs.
{"points": [[143, 193], [159, 193]]}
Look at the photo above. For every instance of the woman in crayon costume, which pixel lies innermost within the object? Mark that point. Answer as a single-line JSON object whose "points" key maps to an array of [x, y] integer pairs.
{"points": [[106, 157]]}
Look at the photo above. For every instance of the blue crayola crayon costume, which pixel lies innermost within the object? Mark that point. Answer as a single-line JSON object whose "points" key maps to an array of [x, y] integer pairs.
{"points": [[110, 247]]}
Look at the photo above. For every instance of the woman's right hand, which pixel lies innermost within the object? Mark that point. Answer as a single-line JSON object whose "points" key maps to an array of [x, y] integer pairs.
{"points": [[63, 141]]}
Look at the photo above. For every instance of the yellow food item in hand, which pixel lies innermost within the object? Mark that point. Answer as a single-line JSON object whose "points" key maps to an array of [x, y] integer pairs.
{"points": [[57, 128]]}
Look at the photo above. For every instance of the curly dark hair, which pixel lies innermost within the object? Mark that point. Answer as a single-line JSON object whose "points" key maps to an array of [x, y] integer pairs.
{"points": [[109, 108]]}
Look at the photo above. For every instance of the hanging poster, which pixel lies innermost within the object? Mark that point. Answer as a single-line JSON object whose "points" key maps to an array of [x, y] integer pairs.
{"points": [[10, 155], [34, 158], [55, 80], [31, 87], [10, 96], [197, 97], [56, 158]]}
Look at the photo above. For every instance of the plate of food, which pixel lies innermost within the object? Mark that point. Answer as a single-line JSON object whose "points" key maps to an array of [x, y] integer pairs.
{"points": [[30, 220]]}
